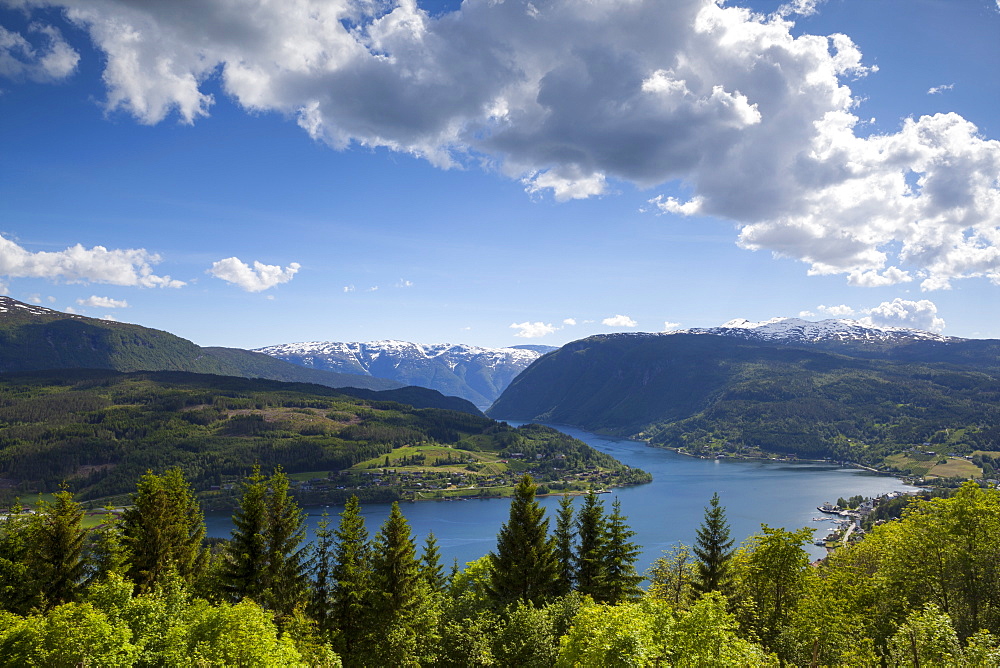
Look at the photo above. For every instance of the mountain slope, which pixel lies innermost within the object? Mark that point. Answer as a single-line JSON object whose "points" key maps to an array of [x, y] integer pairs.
{"points": [[474, 373], [99, 430], [34, 338], [713, 391]]}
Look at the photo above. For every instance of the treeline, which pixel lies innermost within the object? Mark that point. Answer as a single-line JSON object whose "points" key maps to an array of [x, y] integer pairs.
{"points": [[99, 431], [147, 589]]}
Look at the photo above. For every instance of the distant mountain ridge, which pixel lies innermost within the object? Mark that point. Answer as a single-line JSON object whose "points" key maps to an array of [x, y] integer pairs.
{"points": [[471, 372], [835, 388], [34, 338], [797, 330]]}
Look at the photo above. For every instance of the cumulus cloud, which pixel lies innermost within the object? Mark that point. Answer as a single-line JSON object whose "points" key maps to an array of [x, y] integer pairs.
{"points": [[253, 279], [619, 321], [670, 326], [569, 321], [532, 330], [920, 314], [934, 90], [76, 264], [102, 302], [349, 288], [109, 318], [840, 311], [51, 59], [403, 283], [755, 118]]}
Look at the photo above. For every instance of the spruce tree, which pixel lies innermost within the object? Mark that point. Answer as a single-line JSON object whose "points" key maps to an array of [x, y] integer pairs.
{"points": [[163, 530], [352, 575], [591, 528], [321, 568], [620, 555], [397, 592], [524, 566], [430, 565], [285, 573], [56, 557], [563, 544], [244, 568], [713, 549]]}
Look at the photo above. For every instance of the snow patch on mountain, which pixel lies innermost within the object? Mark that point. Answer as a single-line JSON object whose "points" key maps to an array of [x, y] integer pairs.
{"points": [[472, 372], [797, 330]]}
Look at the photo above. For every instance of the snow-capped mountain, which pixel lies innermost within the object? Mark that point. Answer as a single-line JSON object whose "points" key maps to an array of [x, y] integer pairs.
{"points": [[796, 330], [474, 373]]}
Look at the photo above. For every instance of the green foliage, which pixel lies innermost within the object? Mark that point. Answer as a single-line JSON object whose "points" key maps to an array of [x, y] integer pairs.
{"points": [[56, 553], [163, 530], [712, 548], [672, 577], [523, 567]]}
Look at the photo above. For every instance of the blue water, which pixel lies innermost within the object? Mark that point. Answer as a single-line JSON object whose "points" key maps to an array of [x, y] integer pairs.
{"points": [[663, 512]]}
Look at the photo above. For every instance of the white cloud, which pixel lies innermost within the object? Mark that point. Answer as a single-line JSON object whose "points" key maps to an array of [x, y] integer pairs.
{"points": [[532, 330], [373, 288], [53, 59], [76, 264], [70, 309], [806, 314], [349, 288], [934, 90], [102, 302], [569, 322], [253, 279], [109, 318], [403, 283], [841, 311], [35, 299], [920, 314], [670, 326], [569, 97], [619, 321]]}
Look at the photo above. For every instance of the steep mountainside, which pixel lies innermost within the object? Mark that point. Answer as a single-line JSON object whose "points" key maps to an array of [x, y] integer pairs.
{"points": [[34, 338], [474, 373], [716, 391]]}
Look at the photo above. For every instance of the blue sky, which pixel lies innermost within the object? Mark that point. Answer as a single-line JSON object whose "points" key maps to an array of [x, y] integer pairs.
{"points": [[500, 173]]}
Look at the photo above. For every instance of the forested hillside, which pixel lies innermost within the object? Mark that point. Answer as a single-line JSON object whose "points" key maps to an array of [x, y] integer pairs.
{"points": [[100, 430], [707, 393], [146, 589], [36, 338]]}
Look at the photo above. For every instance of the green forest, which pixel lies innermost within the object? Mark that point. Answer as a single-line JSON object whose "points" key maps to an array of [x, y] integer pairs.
{"points": [[148, 589], [98, 431]]}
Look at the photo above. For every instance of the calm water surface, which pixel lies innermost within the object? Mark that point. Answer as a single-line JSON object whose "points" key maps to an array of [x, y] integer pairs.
{"points": [[663, 512]]}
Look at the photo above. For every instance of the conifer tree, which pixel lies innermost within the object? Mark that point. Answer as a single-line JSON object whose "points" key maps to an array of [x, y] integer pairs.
{"points": [[524, 566], [352, 575], [397, 591], [243, 571], [321, 567], [713, 549], [430, 565], [620, 555], [163, 530], [591, 527], [563, 545], [285, 531], [56, 557]]}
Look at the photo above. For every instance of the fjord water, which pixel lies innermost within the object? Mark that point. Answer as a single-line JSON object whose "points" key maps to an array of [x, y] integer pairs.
{"points": [[663, 512]]}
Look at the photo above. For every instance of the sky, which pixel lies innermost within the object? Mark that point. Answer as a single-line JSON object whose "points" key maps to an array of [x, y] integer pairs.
{"points": [[500, 172]]}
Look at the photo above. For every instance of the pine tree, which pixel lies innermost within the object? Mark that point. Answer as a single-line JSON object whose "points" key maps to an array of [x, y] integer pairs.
{"points": [[285, 574], [163, 530], [397, 591], [620, 555], [524, 566], [563, 538], [352, 575], [713, 549], [244, 568], [56, 557], [321, 567], [591, 527], [430, 565]]}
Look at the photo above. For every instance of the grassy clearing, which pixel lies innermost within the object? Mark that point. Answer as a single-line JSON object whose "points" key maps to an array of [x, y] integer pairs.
{"points": [[956, 468]]}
